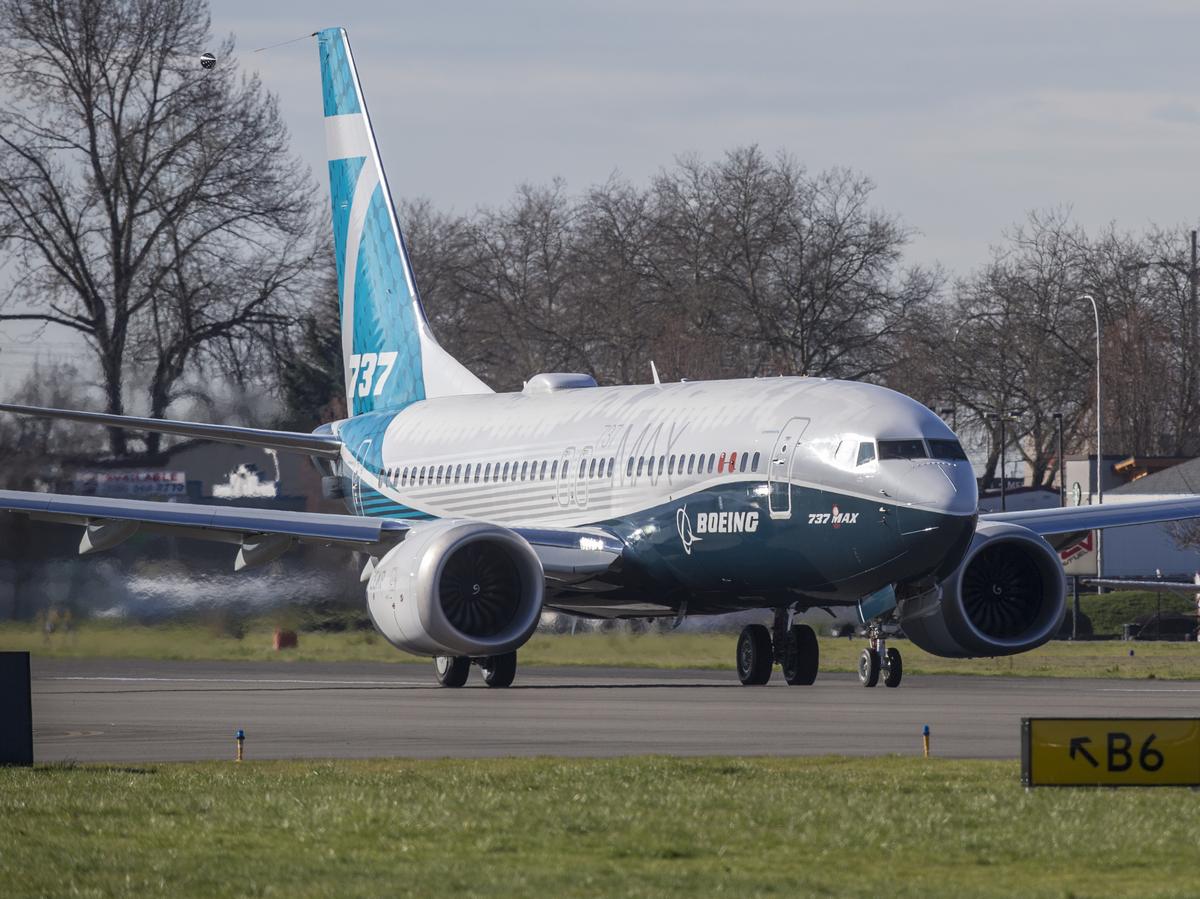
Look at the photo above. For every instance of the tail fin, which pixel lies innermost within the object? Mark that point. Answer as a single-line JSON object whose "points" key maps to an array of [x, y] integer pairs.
{"points": [[391, 356]]}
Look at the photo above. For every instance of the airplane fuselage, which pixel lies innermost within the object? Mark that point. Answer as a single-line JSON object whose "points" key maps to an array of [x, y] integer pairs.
{"points": [[728, 494]]}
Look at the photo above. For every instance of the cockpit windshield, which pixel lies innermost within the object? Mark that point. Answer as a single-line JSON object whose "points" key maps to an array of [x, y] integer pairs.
{"points": [[947, 449], [902, 449]]}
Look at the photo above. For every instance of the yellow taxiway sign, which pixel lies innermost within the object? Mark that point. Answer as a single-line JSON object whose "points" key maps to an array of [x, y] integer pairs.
{"points": [[1112, 752]]}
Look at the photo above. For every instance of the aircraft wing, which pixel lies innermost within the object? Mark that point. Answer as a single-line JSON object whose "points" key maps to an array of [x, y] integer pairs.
{"points": [[324, 445], [568, 555], [1074, 519]]}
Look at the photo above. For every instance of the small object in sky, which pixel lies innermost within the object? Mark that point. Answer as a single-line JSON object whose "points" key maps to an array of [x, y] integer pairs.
{"points": [[208, 61]]}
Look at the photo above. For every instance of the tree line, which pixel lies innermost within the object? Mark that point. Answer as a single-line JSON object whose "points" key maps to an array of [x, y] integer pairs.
{"points": [[157, 211]]}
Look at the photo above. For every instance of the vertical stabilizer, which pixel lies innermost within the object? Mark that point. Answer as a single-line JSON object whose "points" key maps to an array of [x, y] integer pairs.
{"points": [[391, 356]]}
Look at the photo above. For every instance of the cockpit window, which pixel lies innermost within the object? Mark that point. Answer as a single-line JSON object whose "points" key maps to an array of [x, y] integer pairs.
{"points": [[947, 449], [902, 449], [866, 453]]}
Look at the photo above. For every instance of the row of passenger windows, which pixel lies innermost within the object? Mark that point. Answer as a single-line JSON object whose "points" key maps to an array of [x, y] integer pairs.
{"points": [[496, 472]]}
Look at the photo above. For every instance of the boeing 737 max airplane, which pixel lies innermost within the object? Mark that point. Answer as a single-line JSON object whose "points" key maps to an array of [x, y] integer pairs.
{"points": [[476, 510]]}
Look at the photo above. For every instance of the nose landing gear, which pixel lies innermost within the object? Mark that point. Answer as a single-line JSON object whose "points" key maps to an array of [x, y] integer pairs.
{"points": [[878, 659], [793, 646]]}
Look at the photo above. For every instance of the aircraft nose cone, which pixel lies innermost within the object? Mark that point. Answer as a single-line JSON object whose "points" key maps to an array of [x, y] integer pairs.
{"points": [[935, 541]]}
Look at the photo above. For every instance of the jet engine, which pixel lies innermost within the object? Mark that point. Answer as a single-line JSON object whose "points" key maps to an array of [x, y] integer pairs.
{"points": [[1008, 595], [460, 588]]}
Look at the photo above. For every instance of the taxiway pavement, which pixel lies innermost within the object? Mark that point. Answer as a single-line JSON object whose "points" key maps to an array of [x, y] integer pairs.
{"points": [[136, 711]]}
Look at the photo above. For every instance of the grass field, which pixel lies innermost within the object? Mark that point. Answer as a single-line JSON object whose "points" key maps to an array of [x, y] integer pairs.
{"points": [[638, 827], [99, 639]]}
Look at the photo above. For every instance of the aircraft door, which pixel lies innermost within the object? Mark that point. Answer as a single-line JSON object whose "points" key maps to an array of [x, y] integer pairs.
{"points": [[356, 481], [564, 481], [581, 475], [779, 467]]}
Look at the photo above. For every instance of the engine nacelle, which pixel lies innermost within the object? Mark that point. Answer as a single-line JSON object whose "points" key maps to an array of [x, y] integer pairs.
{"points": [[1008, 595], [461, 588]]}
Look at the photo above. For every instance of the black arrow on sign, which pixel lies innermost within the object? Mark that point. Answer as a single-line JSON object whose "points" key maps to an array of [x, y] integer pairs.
{"points": [[1077, 746]]}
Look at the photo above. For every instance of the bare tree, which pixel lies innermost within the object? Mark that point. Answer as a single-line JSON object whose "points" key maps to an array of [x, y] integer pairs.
{"points": [[152, 205]]}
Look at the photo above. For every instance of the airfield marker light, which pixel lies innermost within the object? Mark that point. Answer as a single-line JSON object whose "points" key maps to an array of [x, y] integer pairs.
{"points": [[241, 740], [1131, 653], [925, 739]]}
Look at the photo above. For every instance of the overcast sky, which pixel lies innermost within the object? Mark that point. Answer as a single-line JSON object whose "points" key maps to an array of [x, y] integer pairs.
{"points": [[966, 115]]}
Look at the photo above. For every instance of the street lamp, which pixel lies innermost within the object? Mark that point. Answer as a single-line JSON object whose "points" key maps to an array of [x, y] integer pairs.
{"points": [[1099, 432], [1002, 417]]}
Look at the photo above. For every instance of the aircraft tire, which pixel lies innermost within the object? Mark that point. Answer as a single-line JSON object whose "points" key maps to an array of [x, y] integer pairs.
{"points": [[754, 656], [801, 656], [895, 669], [499, 671], [868, 667], [452, 671]]}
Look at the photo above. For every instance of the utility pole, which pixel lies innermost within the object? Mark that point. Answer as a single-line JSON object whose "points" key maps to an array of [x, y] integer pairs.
{"points": [[1002, 417], [1062, 465]]}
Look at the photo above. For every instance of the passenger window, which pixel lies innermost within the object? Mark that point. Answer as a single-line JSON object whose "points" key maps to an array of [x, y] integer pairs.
{"points": [[592, 469], [662, 465], [457, 473], [487, 473], [554, 469], [671, 466], [745, 459], [721, 463], [866, 453], [422, 476], [629, 468], [566, 469], [441, 469], [543, 475], [477, 472], [712, 460], [504, 474], [524, 470], [641, 465], [754, 463], [611, 462], [691, 463]]}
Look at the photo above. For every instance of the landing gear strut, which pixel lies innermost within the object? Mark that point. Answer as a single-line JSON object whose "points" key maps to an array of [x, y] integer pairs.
{"points": [[878, 659], [793, 646]]}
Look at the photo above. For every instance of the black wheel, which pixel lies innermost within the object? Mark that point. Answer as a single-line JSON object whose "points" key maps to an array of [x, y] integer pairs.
{"points": [[801, 656], [754, 659], [499, 671], [895, 669], [452, 671], [868, 667]]}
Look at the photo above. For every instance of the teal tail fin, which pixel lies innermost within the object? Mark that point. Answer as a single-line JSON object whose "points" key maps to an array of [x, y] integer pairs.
{"points": [[391, 356]]}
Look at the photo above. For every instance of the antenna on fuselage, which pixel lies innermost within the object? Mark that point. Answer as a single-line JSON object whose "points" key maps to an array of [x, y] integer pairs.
{"points": [[654, 372]]}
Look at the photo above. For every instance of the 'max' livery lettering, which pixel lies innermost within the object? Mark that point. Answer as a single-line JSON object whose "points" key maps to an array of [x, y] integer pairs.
{"points": [[477, 511]]}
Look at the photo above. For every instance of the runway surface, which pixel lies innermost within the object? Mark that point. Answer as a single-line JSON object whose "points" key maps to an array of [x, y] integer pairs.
{"points": [[108, 711]]}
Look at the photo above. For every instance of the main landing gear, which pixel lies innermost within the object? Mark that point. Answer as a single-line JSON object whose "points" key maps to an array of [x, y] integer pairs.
{"points": [[878, 659], [498, 671], [793, 646]]}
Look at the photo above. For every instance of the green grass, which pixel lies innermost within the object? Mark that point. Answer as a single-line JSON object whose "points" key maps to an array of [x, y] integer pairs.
{"points": [[101, 639], [1110, 611], [554, 827]]}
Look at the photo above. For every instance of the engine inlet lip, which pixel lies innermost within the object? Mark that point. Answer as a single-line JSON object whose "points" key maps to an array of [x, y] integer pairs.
{"points": [[529, 570], [1049, 616]]}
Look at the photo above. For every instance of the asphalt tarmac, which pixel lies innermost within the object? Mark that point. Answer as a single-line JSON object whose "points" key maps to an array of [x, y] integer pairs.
{"points": [[133, 711]]}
